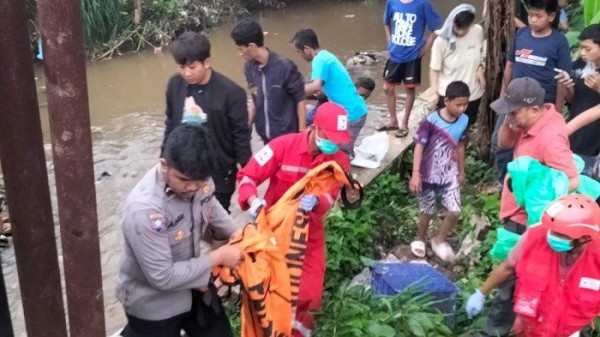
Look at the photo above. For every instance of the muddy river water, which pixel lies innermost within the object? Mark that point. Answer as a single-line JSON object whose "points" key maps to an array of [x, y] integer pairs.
{"points": [[127, 97]]}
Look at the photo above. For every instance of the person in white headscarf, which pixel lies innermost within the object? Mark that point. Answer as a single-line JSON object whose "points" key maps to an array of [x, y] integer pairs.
{"points": [[458, 54]]}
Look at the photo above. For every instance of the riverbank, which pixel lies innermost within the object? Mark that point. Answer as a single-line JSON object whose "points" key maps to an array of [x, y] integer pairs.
{"points": [[118, 27]]}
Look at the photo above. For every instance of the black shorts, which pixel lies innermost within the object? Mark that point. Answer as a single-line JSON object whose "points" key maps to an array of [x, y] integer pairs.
{"points": [[408, 73]]}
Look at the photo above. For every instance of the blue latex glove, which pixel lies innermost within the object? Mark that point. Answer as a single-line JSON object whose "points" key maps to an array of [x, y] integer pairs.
{"points": [[475, 304], [308, 202], [255, 208]]}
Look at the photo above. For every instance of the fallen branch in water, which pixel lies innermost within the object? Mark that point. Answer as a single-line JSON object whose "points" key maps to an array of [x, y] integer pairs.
{"points": [[141, 37], [111, 51]]}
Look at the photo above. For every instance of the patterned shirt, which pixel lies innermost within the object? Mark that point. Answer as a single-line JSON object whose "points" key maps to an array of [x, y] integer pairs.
{"points": [[440, 140]]}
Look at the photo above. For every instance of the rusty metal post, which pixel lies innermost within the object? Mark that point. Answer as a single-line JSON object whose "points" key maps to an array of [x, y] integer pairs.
{"points": [[26, 179], [66, 89]]}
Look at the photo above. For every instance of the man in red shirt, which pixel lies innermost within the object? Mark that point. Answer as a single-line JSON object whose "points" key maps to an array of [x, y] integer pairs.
{"points": [[284, 161], [557, 264], [536, 130]]}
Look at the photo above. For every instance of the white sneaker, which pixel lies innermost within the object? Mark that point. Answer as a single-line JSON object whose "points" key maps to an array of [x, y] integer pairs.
{"points": [[443, 251]]}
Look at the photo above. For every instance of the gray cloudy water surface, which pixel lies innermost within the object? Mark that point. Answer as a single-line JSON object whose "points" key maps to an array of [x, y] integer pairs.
{"points": [[127, 99]]}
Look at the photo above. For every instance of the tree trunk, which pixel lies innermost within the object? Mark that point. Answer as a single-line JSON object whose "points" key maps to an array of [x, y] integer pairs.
{"points": [[500, 28], [137, 12]]}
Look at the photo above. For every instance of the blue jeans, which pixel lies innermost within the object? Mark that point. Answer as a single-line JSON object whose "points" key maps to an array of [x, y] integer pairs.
{"points": [[503, 156]]}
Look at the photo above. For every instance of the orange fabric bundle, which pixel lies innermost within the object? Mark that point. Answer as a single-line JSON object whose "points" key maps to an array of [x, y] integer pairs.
{"points": [[274, 251], [289, 224], [266, 298]]}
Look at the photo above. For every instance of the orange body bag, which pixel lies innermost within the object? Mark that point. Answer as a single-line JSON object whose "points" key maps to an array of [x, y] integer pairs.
{"points": [[274, 249]]}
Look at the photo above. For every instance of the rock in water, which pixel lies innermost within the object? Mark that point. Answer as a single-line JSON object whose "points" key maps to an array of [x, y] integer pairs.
{"points": [[362, 59]]}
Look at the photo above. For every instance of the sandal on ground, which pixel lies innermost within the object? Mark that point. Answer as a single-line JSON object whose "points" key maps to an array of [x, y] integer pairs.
{"points": [[401, 133], [418, 248], [443, 251], [387, 127]]}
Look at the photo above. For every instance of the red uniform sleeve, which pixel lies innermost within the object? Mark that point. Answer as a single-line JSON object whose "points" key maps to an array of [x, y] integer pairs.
{"points": [[327, 200], [261, 166]]}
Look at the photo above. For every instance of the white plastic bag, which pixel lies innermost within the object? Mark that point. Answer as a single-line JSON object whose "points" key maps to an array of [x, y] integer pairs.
{"points": [[371, 151]]}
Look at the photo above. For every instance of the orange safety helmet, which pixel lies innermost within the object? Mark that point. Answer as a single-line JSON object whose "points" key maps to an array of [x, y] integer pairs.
{"points": [[573, 215]]}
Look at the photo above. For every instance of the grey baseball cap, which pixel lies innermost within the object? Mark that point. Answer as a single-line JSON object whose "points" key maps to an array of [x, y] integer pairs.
{"points": [[521, 93]]}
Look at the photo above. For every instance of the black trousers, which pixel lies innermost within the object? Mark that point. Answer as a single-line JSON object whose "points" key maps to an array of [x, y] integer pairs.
{"points": [[225, 185], [502, 317], [204, 320]]}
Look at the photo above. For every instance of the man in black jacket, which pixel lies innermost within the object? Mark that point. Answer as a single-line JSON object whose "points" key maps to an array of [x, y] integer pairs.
{"points": [[275, 84], [201, 95]]}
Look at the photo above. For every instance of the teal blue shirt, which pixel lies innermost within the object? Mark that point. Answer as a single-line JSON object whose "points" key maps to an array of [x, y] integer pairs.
{"points": [[337, 84]]}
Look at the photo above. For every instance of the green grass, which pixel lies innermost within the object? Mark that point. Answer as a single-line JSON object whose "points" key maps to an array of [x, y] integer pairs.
{"points": [[388, 217], [101, 20]]}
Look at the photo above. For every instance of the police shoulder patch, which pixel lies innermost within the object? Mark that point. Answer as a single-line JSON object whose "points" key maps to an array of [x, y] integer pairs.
{"points": [[156, 223], [264, 155]]}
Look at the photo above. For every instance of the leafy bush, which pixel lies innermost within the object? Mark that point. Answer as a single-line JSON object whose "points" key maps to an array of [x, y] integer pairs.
{"points": [[110, 27], [349, 236], [591, 11], [388, 217], [582, 13], [164, 10], [356, 312]]}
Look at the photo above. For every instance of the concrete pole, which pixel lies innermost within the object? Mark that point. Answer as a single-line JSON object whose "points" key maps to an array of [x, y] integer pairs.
{"points": [[66, 90], [26, 179]]}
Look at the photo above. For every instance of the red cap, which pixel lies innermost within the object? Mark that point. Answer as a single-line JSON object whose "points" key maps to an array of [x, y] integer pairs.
{"points": [[573, 215], [332, 119]]}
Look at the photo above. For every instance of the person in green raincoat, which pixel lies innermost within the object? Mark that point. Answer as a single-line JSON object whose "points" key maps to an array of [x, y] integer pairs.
{"points": [[534, 186]]}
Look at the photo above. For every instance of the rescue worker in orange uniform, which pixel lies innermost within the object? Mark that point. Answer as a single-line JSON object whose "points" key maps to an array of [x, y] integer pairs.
{"points": [[557, 265], [284, 161]]}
